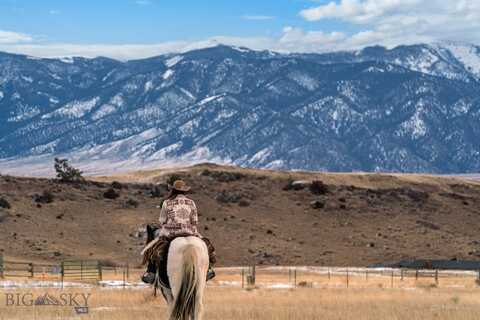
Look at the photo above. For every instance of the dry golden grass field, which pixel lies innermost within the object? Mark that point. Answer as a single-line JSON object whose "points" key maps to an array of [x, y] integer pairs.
{"points": [[375, 297], [264, 304]]}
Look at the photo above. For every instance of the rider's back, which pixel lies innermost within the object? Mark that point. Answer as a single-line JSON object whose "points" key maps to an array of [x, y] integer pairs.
{"points": [[178, 217]]}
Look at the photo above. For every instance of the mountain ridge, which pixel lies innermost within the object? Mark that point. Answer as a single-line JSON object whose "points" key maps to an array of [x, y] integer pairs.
{"points": [[406, 109]]}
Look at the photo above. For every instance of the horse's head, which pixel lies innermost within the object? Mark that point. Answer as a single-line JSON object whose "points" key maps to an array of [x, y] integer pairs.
{"points": [[151, 232]]}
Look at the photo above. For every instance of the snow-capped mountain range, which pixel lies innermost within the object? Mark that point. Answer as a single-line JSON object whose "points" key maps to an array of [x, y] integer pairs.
{"points": [[408, 109]]}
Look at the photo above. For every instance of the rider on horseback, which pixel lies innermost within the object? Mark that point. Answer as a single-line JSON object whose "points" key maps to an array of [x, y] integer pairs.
{"points": [[178, 218]]}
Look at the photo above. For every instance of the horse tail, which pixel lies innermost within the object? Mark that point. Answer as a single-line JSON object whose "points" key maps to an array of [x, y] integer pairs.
{"points": [[186, 302]]}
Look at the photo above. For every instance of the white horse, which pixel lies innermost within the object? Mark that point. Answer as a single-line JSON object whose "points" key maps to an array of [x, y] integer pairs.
{"points": [[187, 268]]}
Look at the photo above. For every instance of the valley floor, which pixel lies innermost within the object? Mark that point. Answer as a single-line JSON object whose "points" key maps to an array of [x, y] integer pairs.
{"points": [[310, 293]]}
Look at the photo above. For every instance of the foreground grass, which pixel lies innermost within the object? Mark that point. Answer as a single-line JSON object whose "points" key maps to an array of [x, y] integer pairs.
{"points": [[265, 304]]}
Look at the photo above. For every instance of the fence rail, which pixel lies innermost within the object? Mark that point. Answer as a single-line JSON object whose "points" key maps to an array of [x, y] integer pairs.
{"points": [[15, 269], [247, 277]]}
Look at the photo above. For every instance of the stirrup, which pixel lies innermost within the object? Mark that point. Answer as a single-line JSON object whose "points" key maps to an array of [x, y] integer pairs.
{"points": [[210, 274], [148, 277]]}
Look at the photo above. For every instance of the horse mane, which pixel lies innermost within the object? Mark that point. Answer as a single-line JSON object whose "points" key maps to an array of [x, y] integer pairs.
{"points": [[186, 302]]}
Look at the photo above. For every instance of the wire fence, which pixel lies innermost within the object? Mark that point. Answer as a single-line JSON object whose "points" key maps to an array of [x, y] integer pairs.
{"points": [[95, 273]]}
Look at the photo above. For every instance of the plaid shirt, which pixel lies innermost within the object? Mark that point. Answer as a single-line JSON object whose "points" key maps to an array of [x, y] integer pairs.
{"points": [[178, 216]]}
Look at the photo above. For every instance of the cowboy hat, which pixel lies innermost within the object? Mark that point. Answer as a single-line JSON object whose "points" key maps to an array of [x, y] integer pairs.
{"points": [[180, 185]]}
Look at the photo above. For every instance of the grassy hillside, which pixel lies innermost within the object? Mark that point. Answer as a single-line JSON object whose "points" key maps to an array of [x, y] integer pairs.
{"points": [[250, 215]]}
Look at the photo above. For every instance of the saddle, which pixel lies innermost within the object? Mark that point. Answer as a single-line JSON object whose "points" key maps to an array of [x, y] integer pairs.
{"points": [[156, 254]]}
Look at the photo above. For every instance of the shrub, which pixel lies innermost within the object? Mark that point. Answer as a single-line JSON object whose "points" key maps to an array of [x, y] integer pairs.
{"points": [[228, 197], [4, 204], [223, 176], [111, 194], [67, 173], [117, 185], [172, 178], [45, 197], [132, 203], [317, 204], [289, 185], [318, 187], [158, 191], [243, 203]]}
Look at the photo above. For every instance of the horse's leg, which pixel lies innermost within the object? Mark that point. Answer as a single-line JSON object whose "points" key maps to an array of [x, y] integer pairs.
{"points": [[167, 295], [199, 308]]}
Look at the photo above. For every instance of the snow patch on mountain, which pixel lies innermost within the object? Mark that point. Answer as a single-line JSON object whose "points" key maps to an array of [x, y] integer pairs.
{"points": [[168, 74], [374, 70], [188, 93], [103, 111], [415, 126], [148, 86], [27, 79], [23, 113], [45, 148], [173, 61], [69, 60], [468, 55], [209, 99], [53, 100], [74, 109], [304, 80], [461, 107], [261, 156]]}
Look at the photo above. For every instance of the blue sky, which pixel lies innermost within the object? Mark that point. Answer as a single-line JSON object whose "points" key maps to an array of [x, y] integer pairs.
{"points": [[138, 28]]}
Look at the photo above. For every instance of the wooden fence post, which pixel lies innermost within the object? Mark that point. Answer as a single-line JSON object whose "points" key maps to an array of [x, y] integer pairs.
{"points": [[436, 277], [1, 267], [128, 271], [62, 271], [124, 278], [30, 269], [348, 278], [100, 275], [366, 275], [329, 274], [416, 274], [295, 277], [254, 274], [391, 281], [243, 278], [81, 269], [251, 276]]}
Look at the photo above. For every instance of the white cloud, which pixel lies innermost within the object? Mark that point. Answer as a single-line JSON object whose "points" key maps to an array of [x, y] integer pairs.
{"points": [[13, 37], [257, 17], [54, 12], [360, 11], [384, 22], [393, 22], [291, 40], [143, 2], [296, 39]]}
